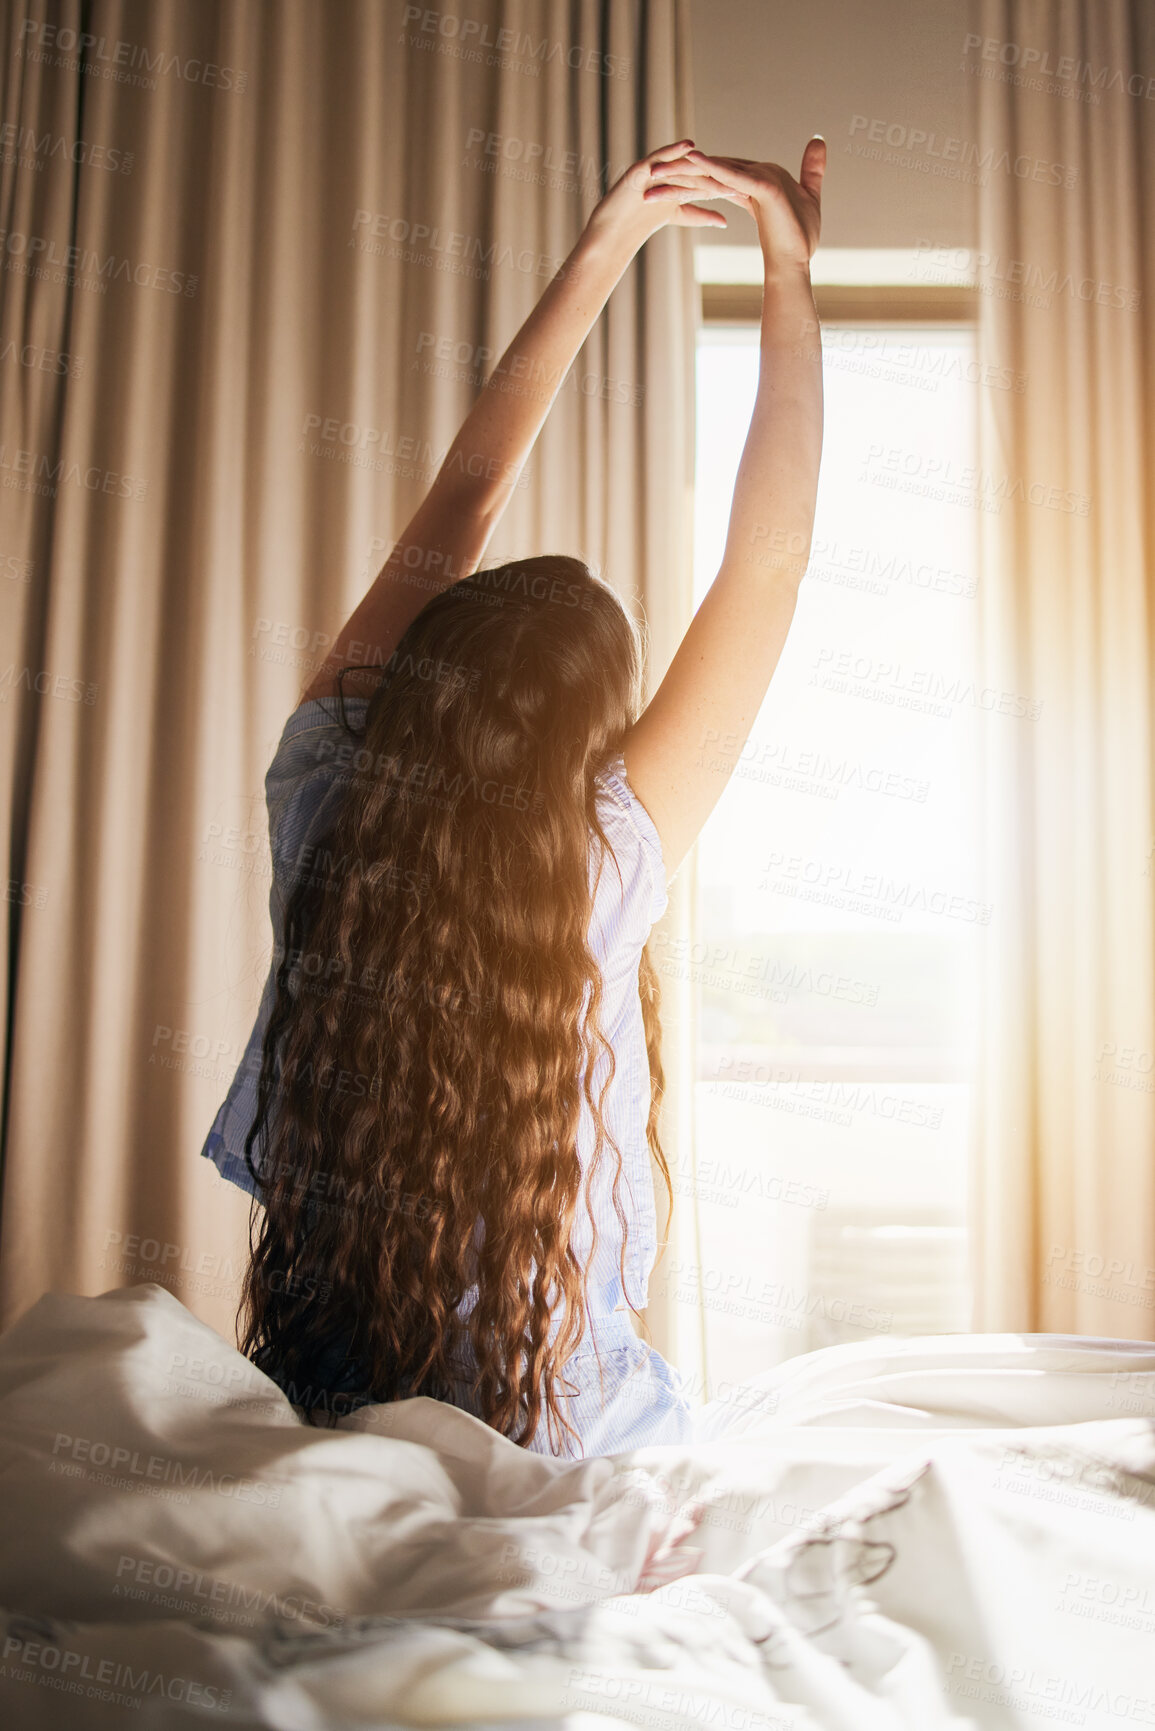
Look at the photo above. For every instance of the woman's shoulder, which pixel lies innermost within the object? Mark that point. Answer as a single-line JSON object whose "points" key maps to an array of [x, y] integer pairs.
{"points": [[318, 744], [315, 719], [312, 733]]}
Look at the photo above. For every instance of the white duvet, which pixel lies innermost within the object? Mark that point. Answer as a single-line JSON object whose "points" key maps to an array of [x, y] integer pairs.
{"points": [[950, 1531]]}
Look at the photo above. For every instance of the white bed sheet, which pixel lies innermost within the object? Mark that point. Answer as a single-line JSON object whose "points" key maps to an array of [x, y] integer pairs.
{"points": [[949, 1531]]}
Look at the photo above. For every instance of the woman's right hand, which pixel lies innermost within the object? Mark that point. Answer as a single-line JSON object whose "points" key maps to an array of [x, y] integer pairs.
{"points": [[788, 212]]}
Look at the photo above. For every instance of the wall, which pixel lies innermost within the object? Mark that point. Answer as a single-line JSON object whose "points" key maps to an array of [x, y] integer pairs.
{"points": [[770, 73]]}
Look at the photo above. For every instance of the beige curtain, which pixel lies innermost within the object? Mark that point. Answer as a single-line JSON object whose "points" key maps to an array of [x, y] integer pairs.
{"points": [[1065, 96], [284, 214]]}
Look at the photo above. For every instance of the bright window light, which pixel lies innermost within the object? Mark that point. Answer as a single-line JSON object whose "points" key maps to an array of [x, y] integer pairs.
{"points": [[838, 915]]}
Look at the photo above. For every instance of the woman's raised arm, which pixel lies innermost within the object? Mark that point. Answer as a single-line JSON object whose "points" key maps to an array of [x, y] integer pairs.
{"points": [[447, 536], [715, 684]]}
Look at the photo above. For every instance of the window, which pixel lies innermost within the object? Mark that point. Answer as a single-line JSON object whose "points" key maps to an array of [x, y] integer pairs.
{"points": [[838, 914]]}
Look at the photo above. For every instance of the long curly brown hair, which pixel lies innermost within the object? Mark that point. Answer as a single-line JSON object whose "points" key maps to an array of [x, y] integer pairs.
{"points": [[435, 1025]]}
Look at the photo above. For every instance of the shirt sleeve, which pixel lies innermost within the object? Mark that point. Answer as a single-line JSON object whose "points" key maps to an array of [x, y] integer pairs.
{"points": [[636, 845], [316, 754]]}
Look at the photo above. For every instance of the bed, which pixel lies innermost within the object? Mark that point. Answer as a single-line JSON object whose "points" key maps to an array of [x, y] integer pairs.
{"points": [[955, 1530]]}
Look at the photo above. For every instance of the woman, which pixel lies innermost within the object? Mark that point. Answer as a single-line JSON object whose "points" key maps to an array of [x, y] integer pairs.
{"points": [[451, 1093]]}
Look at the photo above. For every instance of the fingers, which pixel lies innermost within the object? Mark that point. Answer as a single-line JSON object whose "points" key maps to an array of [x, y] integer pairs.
{"points": [[813, 166], [665, 151], [697, 216], [677, 170], [704, 184], [670, 193], [724, 168], [734, 162], [740, 171], [679, 164]]}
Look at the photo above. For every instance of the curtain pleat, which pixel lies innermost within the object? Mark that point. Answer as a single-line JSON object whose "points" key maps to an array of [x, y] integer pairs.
{"points": [[1065, 1146]]}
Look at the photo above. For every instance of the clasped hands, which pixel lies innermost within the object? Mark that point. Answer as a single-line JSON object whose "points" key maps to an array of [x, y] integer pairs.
{"points": [[664, 187]]}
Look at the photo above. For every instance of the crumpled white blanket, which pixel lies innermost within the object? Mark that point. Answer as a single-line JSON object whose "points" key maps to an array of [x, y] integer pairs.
{"points": [[956, 1531]]}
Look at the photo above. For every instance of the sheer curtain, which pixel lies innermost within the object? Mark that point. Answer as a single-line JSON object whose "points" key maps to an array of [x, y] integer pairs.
{"points": [[257, 260], [1066, 1168]]}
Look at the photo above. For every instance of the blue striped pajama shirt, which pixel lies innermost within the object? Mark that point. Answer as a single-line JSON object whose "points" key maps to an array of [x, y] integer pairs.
{"points": [[626, 1396]]}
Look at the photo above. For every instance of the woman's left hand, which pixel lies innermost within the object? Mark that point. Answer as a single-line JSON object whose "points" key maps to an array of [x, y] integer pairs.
{"points": [[657, 190]]}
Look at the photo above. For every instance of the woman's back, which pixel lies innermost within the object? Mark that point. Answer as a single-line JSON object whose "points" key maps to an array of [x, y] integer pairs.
{"points": [[315, 760]]}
